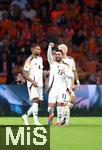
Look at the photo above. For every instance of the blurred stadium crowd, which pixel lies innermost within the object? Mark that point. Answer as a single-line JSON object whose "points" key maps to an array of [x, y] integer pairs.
{"points": [[76, 23]]}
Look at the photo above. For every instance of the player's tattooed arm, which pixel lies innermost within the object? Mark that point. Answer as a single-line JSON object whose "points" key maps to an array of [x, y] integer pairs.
{"points": [[26, 76]]}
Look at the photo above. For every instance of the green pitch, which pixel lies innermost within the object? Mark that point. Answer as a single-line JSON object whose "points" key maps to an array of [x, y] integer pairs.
{"points": [[84, 133]]}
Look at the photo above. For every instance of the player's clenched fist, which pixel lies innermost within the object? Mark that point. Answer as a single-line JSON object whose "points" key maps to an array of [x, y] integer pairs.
{"points": [[63, 71], [51, 44]]}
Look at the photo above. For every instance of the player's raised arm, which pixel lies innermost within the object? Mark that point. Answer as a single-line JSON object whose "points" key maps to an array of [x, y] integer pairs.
{"points": [[50, 53]]}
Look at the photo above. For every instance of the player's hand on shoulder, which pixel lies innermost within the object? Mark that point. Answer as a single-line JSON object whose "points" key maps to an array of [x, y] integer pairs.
{"points": [[35, 84], [70, 57], [51, 44], [63, 71]]}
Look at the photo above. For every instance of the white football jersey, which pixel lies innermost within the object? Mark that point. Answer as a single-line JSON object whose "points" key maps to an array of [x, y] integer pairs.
{"points": [[70, 61], [34, 67], [57, 78]]}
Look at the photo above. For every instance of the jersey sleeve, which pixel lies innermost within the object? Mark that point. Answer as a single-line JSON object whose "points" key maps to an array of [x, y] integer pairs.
{"points": [[49, 55]]}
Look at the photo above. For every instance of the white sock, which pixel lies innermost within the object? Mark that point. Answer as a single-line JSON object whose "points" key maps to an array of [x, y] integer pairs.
{"points": [[51, 110], [66, 113], [35, 112], [30, 111], [59, 113]]}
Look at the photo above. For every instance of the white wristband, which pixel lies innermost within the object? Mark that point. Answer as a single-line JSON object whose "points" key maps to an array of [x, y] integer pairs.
{"points": [[77, 81]]}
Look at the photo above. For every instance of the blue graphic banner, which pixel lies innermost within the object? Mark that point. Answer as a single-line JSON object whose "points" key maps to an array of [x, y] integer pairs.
{"points": [[14, 98]]}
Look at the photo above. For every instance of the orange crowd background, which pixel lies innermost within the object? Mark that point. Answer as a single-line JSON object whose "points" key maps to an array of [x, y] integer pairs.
{"points": [[75, 23]]}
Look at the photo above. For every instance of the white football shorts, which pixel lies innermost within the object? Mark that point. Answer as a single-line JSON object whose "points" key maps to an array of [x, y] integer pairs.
{"points": [[35, 92], [58, 96]]}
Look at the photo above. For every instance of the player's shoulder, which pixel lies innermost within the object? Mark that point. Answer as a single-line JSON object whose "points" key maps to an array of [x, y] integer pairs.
{"points": [[69, 57], [28, 59], [64, 63], [53, 64], [40, 58]]}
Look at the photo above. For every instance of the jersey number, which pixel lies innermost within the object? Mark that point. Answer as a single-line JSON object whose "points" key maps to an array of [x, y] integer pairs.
{"points": [[59, 72], [64, 96]]}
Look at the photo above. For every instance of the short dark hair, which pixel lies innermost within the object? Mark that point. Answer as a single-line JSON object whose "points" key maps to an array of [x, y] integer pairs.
{"points": [[59, 51], [34, 45]]}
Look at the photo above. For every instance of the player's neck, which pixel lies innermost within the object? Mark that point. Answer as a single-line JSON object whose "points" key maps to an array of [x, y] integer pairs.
{"points": [[34, 55], [59, 62]]}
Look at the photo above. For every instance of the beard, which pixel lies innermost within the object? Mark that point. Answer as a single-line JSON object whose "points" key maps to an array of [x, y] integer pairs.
{"points": [[37, 54], [58, 60]]}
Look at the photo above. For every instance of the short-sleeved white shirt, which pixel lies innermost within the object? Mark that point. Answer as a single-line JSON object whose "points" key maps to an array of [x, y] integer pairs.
{"points": [[56, 78], [34, 67]]}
